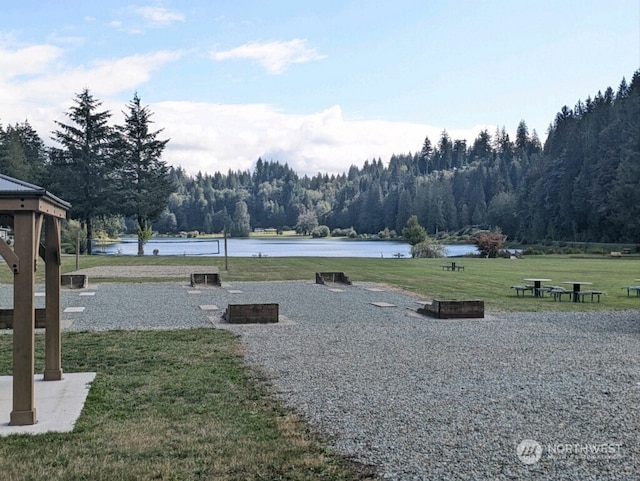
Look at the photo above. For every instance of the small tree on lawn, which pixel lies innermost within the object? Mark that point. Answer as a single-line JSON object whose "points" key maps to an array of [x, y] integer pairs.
{"points": [[414, 233], [428, 248], [489, 243]]}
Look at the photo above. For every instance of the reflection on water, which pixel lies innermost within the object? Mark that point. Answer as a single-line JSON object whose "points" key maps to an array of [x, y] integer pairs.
{"points": [[276, 247]]}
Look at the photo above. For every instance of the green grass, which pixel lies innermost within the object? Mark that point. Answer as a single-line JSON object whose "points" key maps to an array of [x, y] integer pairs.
{"points": [[170, 405], [486, 279]]}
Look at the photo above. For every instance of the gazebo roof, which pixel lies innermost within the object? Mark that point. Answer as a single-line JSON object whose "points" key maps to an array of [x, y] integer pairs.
{"points": [[17, 194]]}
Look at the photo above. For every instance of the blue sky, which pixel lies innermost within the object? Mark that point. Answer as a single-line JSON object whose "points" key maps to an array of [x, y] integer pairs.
{"points": [[320, 85]]}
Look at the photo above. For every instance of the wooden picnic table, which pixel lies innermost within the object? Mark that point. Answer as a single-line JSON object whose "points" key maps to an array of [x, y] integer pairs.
{"points": [[537, 285], [576, 288], [452, 267]]}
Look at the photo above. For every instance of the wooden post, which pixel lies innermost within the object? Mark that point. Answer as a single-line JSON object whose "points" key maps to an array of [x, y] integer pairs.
{"points": [[24, 411], [78, 251], [52, 362], [226, 263]]}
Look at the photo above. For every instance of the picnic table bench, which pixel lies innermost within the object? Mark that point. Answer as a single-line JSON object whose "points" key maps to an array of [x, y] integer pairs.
{"points": [[593, 294], [558, 292], [452, 267], [523, 289], [635, 289]]}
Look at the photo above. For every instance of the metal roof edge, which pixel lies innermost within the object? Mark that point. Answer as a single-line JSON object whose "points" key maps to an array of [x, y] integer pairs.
{"points": [[31, 190]]}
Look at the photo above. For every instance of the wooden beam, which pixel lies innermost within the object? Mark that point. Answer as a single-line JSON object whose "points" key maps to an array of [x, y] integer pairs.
{"points": [[9, 256], [54, 210], [39, 218], [37, 204]]}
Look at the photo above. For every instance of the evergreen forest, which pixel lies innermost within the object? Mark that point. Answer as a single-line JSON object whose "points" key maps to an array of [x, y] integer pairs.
{"points": [[582, 185]]}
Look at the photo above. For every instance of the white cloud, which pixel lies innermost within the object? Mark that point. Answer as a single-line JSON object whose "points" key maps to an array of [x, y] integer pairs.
{"points": [[137, 19], [17, 68], [213, 137], [159, 16], [36, 85], [27, 61], [275, 56], [104, 77]]}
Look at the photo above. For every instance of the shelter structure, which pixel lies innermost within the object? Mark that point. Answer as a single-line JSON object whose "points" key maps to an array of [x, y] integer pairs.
{"points": [[26, 208]]}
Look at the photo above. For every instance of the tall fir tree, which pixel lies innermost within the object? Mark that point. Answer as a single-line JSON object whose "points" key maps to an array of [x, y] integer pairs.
{"points": [[22, 153], [83, 170], [143, 175]]}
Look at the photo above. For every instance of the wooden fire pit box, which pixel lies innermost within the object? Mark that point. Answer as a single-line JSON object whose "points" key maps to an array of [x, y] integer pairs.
{"points": [[323, 277], [251, 313], [452, 309], [206, 279], [74, 281]]}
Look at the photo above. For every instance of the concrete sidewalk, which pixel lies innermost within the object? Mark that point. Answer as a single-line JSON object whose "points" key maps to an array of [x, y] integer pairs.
{"points": [[58, 403]]}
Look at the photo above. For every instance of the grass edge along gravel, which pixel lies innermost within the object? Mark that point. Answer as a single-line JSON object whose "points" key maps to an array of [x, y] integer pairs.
{"points": [[487, 279], [170, 405]]}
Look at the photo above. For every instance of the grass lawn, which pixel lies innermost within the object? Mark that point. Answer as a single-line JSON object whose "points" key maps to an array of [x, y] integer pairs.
{"points": [[169, 405]]}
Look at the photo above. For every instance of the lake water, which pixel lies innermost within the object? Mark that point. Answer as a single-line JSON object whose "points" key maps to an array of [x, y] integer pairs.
{"points": [[276, 247]]}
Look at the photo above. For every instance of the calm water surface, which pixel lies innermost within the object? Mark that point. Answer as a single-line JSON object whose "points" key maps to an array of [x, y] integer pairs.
{"points": [[276, 247]]}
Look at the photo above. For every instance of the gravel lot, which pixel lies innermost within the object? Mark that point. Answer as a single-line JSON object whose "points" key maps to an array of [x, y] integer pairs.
{"points": [[420, 398]]}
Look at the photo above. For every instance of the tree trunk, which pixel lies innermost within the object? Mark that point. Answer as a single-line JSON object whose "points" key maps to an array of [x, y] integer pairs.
{"points": [[141, 235]]}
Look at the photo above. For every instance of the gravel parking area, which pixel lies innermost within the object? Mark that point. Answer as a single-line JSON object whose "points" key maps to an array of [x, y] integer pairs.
{"points": [[542, 396]]}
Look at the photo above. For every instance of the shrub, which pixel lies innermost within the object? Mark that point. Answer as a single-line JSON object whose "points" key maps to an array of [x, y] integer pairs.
{"points": [[489, 243], [428, 249], [71, 231], [350, 232], [320, 231]]}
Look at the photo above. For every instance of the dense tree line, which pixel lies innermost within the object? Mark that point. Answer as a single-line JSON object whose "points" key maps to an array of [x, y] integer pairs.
{"points": [[582, 185], [577, 187]]}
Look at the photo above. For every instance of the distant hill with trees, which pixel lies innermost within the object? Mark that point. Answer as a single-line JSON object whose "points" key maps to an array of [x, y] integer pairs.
{"points": [[582, 185]]}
